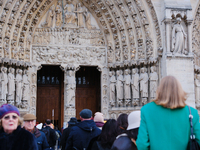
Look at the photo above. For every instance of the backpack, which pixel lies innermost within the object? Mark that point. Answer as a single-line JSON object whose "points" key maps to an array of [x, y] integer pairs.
{"points": [[46, 132]]}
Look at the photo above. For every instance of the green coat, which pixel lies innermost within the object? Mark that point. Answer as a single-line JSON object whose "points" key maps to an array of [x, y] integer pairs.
{"points": [[166, 129]]}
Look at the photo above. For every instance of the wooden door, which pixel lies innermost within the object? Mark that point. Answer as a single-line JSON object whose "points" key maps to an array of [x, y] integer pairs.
{"points": [[49, 95], [88, 90]]}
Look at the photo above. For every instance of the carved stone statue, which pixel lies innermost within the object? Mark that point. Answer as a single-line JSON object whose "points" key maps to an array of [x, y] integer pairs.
{"points": [[11, 86], [120, 88], [18, 81], [70, 88], [4, 82], [88, 20], [80, 15], [112, 88], [144, 85], [153, 82], [197, 89], [135, 87], [127, 87], [58, 14], [50, 16], [70, 16], [26, 86], [179, 38]]}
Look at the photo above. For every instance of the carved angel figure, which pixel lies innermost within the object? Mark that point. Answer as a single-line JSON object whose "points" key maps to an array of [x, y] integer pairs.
{"points": [[197, 87], [58, 14], [179, 38]]}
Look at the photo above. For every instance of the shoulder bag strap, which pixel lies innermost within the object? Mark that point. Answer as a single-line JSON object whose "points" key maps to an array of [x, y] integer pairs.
{"points": [[192, 136]]}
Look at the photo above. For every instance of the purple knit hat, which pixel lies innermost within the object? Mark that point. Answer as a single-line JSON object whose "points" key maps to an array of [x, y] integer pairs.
{"points": [[8, 108]]}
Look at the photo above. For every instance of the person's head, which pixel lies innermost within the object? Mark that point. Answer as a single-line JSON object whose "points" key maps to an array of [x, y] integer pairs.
{"points": [[85, 114], [29, 121], [133, 124], [98, 117], [48, 122], [9, 118], [108, 133], [170, 93], [73, 121], [122, 123]]}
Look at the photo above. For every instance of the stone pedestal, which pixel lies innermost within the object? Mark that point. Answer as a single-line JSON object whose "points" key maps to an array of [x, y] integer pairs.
{"points": [[182, 68]]}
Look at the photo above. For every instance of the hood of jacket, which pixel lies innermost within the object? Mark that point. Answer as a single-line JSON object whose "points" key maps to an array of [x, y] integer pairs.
{"points": [[87, 125]]}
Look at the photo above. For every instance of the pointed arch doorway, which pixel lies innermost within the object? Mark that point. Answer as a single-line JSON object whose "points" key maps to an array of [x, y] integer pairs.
{"points": [[50, 95], [88, 90]]}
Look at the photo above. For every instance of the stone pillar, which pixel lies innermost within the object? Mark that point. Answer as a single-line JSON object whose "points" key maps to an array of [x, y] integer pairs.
{"points": [[33, 87], [104, 90], [167, 34], [69, 93], [189, 26]]}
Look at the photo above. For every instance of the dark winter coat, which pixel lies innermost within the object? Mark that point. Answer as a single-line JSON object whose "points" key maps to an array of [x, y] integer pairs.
{"points": [[81, 135], [123, 142], [65, 136], [95, 144], [41, 140], [20, 139], [52, 137]]}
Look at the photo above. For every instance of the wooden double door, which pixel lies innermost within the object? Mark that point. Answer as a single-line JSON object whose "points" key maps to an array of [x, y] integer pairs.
{"points": [[50, 93]]}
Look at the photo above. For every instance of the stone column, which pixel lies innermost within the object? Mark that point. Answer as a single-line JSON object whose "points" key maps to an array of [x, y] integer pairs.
{"points": [[69, 93], [33, 87], [189, 26], [167, 34], [104, 90]]}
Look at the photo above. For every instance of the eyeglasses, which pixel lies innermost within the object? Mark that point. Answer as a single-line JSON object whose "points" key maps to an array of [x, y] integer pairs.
{"points": [[9, 117]]}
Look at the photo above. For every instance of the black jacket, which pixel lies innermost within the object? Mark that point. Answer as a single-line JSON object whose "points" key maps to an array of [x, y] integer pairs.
{"points": [[41, 139], [20, 139], [52, 137], [123, 142], [65, 136], [81, 135]]}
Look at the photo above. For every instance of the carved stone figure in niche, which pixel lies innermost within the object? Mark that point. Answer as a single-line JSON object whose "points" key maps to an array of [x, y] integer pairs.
{"points": [[70, 88], [88, 20], [50, 16], [153, 82], [26, 86], [80, 15], [179, 38], [135, 87], [18, 81], [112, 88], [127, 87], [4, 82], [11, 86], [120, 88], [70, 16], [58, 14], [197, 95], [144, 85]]}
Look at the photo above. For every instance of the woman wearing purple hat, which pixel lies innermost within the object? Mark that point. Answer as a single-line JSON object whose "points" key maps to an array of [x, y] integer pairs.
{"points": [[12, 136]]}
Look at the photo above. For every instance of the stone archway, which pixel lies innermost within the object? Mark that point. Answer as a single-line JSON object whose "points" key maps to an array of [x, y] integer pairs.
{"points": [[118, 35]]}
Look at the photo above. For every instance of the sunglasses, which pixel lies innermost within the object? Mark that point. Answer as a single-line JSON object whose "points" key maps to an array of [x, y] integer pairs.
{"points": [[9, 117]]}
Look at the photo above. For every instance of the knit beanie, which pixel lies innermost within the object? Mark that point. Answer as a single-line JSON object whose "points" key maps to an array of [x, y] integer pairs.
{"points": [[8, 108], [98, 117]]}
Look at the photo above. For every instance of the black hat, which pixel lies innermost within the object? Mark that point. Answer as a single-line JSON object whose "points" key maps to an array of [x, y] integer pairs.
{"points": [[86, 113], [73, 120]]}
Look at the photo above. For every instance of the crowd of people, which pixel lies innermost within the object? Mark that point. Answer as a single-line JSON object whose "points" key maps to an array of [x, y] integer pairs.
{"points": [[162, 124]]}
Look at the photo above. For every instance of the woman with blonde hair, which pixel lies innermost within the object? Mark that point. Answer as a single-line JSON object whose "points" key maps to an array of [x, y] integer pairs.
{"points": [[12, 136], [165, 121]]}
